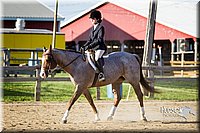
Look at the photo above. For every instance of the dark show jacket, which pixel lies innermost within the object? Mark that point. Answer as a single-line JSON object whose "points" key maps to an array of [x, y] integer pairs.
{"points": [[96, 38]]}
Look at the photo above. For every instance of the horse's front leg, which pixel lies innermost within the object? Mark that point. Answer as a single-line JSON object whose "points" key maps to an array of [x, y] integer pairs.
{"points": [[117, 98], [78, 91], [91, 102]]}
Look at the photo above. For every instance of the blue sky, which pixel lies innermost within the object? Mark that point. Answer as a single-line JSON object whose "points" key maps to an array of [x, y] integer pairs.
{"points": [[70, 8]]}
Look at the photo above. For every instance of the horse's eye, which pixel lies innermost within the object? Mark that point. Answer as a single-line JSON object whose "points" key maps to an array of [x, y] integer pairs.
{"points": [[48, 58]]}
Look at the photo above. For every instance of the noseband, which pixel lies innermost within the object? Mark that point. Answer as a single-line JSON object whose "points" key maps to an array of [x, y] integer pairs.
{"points": [[49, 60]]}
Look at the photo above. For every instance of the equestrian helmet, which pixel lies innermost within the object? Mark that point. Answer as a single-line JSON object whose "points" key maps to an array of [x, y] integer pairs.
{"points": [[95, 14]]}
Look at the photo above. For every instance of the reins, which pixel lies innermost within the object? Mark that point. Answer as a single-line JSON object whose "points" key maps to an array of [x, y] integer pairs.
{"points": [[71, 62], [81, 53]]}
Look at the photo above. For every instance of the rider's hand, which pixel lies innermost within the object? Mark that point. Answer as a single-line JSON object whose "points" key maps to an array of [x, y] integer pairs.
{"points": [[82, 48], [86, 48]]}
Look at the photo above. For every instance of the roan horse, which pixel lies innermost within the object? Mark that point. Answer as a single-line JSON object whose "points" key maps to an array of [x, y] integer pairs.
{"points": [[119, 66]]}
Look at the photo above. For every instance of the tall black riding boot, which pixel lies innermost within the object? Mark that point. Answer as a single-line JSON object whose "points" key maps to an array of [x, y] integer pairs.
{"points": [[99, 65]]}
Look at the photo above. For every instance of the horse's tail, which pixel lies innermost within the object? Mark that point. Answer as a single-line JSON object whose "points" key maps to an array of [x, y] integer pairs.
{"points": [[143, 81]]}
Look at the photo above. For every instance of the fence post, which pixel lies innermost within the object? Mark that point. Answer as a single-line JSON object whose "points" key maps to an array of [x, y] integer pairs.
{"points": [[32, 58], [37, 85], [37, 53], [98, 93], [151, 76], [6, 57]]}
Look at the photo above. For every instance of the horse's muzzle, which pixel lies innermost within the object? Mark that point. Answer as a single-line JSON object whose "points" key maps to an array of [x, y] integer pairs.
{"points": [[43, 74]]}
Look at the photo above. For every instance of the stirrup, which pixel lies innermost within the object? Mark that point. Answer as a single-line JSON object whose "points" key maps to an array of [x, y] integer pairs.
{"points": [[101, 77]]}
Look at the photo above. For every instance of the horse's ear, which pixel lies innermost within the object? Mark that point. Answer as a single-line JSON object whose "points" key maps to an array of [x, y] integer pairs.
{"points": [[50, 48], [44, 49]]}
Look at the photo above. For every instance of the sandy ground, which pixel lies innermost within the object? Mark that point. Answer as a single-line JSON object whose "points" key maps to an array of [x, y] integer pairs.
{"points": [[40, 116]]}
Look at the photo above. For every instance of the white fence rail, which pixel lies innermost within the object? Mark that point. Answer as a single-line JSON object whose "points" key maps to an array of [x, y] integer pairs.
{"points": [[39, 80]]}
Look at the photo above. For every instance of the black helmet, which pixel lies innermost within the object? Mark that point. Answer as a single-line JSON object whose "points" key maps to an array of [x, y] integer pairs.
{"points": [[95, 14]]}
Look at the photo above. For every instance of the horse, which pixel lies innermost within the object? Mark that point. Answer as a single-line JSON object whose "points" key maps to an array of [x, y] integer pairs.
{"points": [[119, 66]]}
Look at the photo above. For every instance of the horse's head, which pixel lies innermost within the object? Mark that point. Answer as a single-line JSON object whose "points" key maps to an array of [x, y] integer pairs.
{"points": [[48, 62]]}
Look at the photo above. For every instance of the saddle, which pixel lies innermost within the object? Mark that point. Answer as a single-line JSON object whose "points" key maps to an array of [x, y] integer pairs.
{"points": [[91, 59]]}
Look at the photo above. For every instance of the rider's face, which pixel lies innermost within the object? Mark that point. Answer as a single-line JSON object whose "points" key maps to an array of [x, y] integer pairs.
{"points": [[93, 20]]}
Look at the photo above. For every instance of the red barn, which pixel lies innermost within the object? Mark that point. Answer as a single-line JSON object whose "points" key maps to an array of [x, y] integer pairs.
{"points": [[125, 26], [35, 14]]}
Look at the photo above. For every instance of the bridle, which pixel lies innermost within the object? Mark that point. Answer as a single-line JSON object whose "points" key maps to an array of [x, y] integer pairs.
{"points": [[51, 59]]}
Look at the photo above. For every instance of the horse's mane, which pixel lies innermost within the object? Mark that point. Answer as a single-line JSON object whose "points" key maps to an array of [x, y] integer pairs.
{"points": [[68, 50]]}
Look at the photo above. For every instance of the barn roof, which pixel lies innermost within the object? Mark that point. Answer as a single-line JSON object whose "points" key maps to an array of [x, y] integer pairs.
{"points": [[29, 10], [176, 14], [27, 31]]}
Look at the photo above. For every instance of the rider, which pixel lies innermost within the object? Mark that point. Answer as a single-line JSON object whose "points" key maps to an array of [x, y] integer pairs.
{"points": [[96, 41]]}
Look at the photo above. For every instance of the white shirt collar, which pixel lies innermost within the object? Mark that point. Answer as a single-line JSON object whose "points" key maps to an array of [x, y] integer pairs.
{"points": [[95, 26]]}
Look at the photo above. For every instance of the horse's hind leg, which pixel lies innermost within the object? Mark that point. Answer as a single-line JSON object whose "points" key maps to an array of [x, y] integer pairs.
{"points": [[117, 98], [87, 94], [139, 94]]}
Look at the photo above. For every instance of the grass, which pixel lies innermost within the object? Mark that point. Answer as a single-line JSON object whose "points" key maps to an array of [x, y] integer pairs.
{"points": [[62, 91], [177, 90]]}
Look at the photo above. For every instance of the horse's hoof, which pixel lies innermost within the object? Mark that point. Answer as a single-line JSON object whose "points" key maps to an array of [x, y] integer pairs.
{"points": [[97, 119], [64, 121], [110, 118], [144, 119]]}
